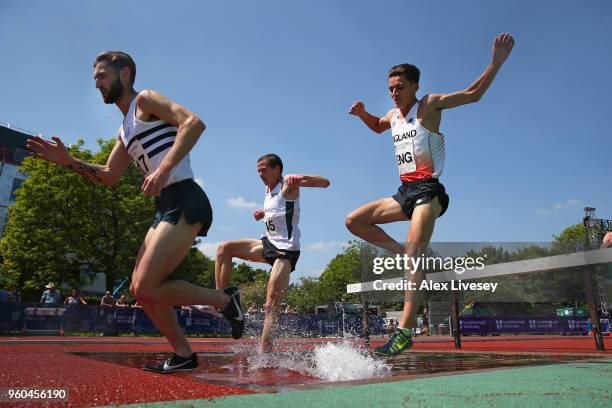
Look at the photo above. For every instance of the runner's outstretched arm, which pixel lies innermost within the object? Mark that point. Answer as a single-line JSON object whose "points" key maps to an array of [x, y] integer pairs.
{"points": [[502, 47], [56, 153], [304, 180]]}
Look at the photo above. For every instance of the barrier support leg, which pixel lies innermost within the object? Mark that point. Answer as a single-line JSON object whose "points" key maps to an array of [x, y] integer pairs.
{"points": [[366, 324], [455, 320], [590, 295]]}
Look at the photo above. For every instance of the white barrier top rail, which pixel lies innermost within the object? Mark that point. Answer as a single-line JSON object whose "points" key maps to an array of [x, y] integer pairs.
{"points": [[547, 263]]}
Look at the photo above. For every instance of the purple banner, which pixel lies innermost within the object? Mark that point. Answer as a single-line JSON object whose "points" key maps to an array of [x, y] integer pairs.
{"points": [[530, 324]]}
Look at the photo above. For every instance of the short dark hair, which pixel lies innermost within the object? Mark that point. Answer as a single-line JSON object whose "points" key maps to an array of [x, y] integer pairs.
{"points": [[118, 60], [273, 160], [408, 71]]}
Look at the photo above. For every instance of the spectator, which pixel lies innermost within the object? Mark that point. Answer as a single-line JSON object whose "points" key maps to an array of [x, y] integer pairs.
{"points": [[74, 298], [108, 299], [290, 310], [425, 328], [253, 309], [122, 302], [50, 297], [391, 326]]}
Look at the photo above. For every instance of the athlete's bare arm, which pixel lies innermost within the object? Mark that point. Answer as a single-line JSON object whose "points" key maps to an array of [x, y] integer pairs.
{"points": [[375, 123], [304, 180], [259, 214], [190, 127], [293, 182], [607, 240], [502, 47], [108, 174]]}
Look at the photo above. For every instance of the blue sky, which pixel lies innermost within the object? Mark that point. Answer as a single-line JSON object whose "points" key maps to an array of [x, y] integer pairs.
{"points": [[279, 76]]}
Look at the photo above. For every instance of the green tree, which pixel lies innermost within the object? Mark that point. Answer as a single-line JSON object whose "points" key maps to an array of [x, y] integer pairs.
{"points": [[571, 239], [568, 284], [253, 292], [196, 268], [559, 286], [64, 228], [305, 295], [344, 268], [242, 274]]}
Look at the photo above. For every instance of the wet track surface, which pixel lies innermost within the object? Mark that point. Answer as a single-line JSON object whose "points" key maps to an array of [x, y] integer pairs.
{"points": [[238, 369], [107, 371]]}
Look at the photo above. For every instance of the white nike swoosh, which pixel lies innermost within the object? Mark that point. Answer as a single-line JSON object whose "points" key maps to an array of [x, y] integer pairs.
{"points": [[173, 367], [240, 316]]}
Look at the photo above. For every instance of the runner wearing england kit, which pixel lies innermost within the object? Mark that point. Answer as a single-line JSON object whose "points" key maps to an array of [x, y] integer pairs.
{"points": [[419, 149], [280, 244], [157, 135]]}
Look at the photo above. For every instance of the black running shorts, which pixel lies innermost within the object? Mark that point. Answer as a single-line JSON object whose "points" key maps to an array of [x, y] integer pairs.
{"points": [[409, 195], [184, 197], [272, 253]]}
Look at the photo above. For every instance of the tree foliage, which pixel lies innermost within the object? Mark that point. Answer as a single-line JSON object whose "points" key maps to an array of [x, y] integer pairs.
{"points": [[64, 228], [558, 286]]}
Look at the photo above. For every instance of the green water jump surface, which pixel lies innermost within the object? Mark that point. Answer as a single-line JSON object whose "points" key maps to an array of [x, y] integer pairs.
{"points": [[578, 384]]}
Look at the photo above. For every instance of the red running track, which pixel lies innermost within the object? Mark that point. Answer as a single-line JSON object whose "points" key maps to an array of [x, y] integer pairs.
{"points": [[45, 362]]}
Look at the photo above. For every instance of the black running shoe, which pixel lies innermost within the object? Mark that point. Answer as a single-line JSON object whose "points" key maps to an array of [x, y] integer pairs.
{"points": [[233, 312], [174, 364]]}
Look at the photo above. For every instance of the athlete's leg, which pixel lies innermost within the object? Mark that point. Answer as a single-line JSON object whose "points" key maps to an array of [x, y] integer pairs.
{"points": [[247, 249], [165, 319], [420, 231], [277, 287], [166, 249], [163, 316], [362, 223], [163, 249]]}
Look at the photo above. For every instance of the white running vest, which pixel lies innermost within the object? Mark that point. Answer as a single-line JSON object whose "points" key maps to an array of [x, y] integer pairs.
{"points": [[282, 218], [149, 142], [419, 152]]}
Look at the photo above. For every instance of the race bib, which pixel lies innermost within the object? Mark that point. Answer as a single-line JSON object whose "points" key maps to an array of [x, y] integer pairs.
{"points": [[271, 227], [140, 157], [404, 153]]}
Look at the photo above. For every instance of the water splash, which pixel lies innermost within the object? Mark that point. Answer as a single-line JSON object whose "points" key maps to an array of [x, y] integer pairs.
{"points": [[330, 361], [345, 362]]}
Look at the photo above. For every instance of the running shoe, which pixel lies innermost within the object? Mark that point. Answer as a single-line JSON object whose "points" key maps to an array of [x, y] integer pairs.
{"points": [[400, 340], [174, 364], [233, 312]]}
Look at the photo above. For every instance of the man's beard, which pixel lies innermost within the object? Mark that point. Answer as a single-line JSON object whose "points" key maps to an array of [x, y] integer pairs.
{"points": [[114, 92]]}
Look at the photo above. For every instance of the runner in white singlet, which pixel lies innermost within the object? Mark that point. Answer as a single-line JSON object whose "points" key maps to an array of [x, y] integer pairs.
{"points": [[280, 243], [282, 217], [157, 135], [419, 151]]}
